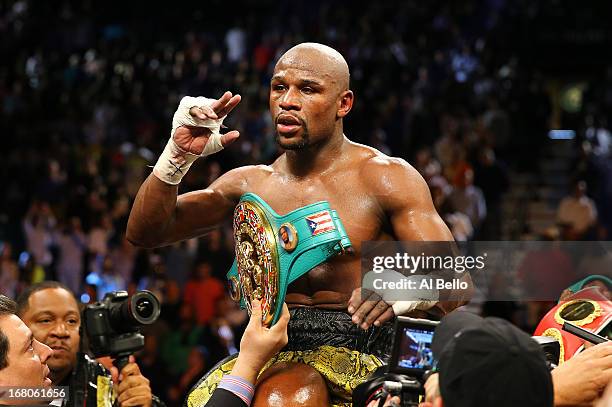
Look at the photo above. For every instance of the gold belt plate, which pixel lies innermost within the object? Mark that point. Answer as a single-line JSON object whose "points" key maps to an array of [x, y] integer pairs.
{"points": [[256, 258]]}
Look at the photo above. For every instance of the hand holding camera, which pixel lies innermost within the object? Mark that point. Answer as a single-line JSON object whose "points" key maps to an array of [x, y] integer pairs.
{"points": [[113, 327], [134, 388]]}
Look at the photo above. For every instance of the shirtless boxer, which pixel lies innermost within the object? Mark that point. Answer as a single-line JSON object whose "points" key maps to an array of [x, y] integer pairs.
{"points": [[377, 197]]}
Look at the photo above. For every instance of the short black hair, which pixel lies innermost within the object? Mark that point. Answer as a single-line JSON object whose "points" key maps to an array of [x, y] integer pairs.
{"points": [[7, 307], [24, 297]]}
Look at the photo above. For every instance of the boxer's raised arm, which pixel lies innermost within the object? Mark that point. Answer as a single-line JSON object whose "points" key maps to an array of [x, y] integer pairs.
{"points": [[159, 217]]}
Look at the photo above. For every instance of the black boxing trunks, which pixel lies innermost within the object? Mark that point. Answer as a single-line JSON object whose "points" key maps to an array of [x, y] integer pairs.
{"points": [[310, 328]]}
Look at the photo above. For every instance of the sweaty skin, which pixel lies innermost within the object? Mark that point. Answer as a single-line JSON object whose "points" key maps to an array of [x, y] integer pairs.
{"points": [[377, 197]]}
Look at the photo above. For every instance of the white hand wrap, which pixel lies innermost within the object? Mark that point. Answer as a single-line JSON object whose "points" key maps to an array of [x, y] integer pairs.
{"points": [[404, 307], [426, 298], [174, 162]]}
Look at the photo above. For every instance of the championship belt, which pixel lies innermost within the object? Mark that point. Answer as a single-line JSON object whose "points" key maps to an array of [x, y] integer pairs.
{"points": [[272, 251], [588, 309]]}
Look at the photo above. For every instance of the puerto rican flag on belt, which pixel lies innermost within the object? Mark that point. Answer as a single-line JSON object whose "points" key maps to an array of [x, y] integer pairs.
{"points": [[320, 223]]}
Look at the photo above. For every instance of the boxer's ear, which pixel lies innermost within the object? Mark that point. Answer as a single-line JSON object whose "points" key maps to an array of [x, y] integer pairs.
{"points": [[345, 103]]}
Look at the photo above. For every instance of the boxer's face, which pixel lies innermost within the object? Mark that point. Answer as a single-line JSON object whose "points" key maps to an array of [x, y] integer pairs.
{"points": [[305, 99]]}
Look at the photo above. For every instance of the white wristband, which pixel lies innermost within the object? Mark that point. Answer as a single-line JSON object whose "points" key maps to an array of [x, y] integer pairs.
{"points": [[174, 162]]}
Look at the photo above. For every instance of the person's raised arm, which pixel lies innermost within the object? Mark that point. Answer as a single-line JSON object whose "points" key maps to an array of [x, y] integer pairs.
{"points": [[158, 216]]}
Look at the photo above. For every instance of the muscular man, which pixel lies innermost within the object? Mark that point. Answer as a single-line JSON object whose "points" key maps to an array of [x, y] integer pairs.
{"points": [[50, 310], [377, 197]]}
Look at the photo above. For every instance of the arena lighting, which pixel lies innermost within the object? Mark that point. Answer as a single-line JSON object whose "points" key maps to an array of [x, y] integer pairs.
{"points": [[561, 134]]}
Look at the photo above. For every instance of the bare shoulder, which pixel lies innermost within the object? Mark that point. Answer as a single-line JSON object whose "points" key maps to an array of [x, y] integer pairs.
{"points": [[234, 183], [245, 176], [383, 174]]}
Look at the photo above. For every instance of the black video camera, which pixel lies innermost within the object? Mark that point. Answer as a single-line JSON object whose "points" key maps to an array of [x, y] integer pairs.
{"points": [[113, 324], [409, 366]]}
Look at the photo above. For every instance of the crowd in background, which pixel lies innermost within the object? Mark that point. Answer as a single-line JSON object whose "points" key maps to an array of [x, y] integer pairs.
{"points": [[86, 99]]}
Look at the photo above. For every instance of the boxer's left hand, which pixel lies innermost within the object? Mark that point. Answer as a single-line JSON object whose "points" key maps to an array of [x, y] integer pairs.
{"points": [[369, 309], [133, 389]]}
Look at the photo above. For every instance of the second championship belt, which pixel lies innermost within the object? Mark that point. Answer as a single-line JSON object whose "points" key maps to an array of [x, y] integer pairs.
{"points": [[588, 309]]}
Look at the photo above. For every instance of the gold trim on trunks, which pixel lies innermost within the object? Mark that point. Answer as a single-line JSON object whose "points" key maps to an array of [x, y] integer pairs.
{"points": [[579, 312], [257, 258]]}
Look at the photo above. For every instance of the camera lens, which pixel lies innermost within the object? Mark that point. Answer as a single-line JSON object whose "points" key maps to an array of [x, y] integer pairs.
{"points": [[144, 308]]}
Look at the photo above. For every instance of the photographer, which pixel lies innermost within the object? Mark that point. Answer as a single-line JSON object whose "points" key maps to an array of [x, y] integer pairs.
{"points": [[51, 311], [577, 382], [486, 362]]}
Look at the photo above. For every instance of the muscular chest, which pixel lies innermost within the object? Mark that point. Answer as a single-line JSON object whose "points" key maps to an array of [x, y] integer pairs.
{"points": [[357, 209]]}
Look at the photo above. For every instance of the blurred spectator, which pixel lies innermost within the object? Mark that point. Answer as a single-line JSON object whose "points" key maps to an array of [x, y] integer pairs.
{"points": [[459, 223], [165, 289], [491, 177], [72, 244], [203, 282], [107, 279], [9, 272], [179, 261], [99, 236], [151, 365], [467, 198], [426, 164], [577, 213], [599, 136], [178, 343], [214, 248], [497, 122], [196, 368], [123, 257], [235, 41], [39, 227]]}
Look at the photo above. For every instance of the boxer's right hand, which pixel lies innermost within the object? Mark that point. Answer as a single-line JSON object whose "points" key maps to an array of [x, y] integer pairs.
{"points": [[193, 139], [195, 132]]}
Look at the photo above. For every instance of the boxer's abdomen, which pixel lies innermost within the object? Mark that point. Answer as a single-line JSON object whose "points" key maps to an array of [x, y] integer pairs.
{"points": [[328, 285]]}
